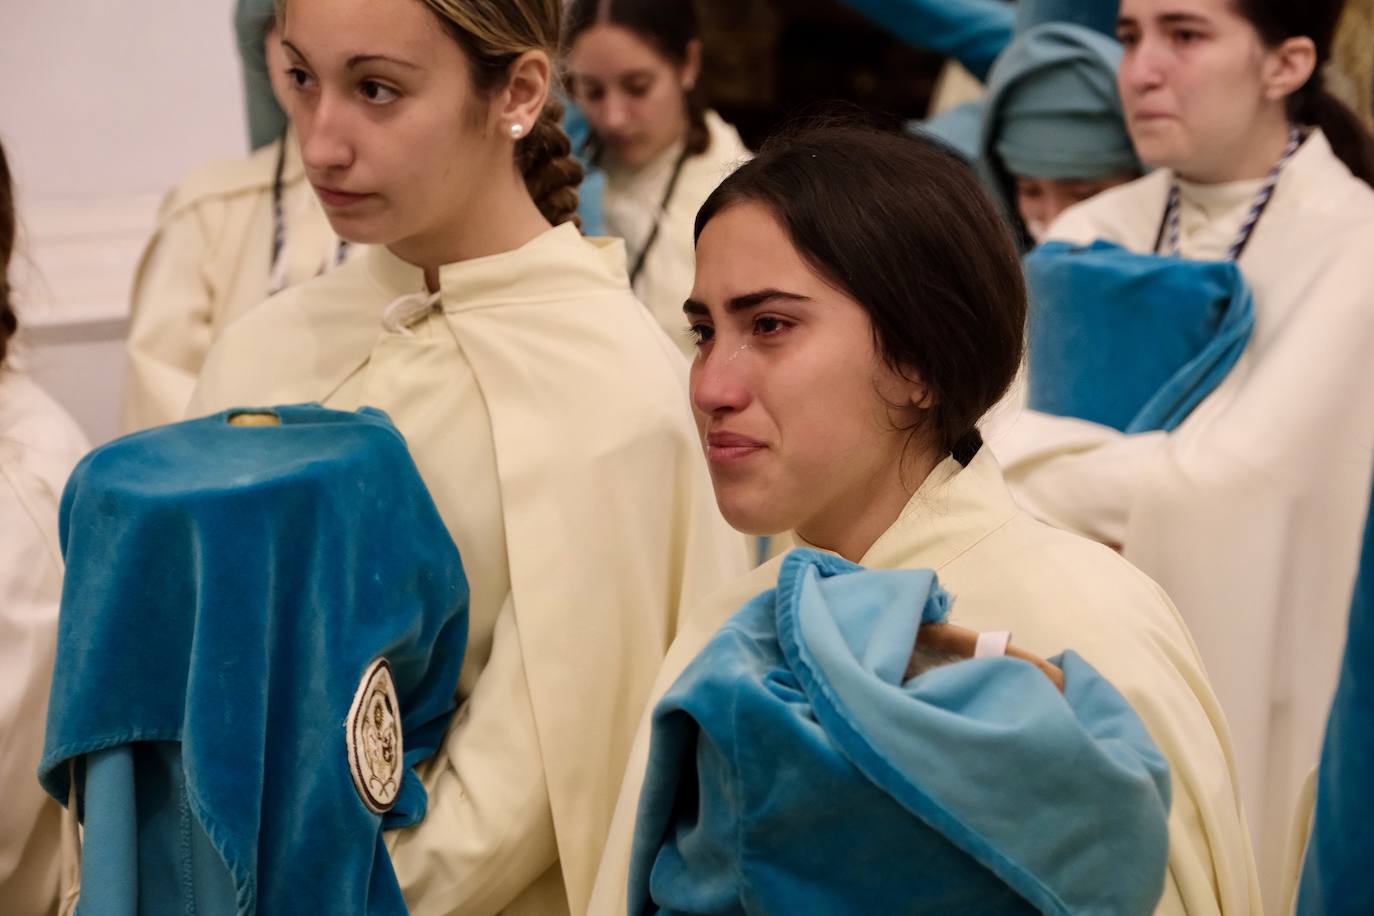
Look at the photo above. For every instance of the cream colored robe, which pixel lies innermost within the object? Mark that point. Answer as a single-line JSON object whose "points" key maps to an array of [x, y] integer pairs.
{"points": [[631, 205], [1053, 591], [548, 416], [208, 263], [1250, 514], [39, 446]]}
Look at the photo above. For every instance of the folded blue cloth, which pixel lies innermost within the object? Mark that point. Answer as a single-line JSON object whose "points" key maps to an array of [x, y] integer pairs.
{"points": [[793, 770], [1132, 341], [1336, 878], [260, 637]]}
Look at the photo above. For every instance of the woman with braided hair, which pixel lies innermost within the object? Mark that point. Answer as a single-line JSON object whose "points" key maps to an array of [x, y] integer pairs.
{"points": [[545, 410], [39, 446], [1249, 513]]}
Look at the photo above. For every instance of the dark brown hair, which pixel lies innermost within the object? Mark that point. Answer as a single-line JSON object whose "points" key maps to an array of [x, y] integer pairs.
{"points": [[9, 322], [1279, 20], [902, 225], [668, 26]]}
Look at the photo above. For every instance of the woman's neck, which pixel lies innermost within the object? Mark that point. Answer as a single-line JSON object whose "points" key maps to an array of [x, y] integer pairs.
{"points": [[499, 216], [1252, 161], [852, 526]]}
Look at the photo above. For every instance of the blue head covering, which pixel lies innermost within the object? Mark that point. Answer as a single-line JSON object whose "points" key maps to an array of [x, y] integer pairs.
{"points": [[230, 597], [1132, 341], [267, 122], [1053, 111], [793, 769], [1335, 877]]}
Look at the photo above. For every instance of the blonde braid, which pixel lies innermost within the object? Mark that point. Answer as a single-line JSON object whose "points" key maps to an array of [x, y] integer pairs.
{"points": [[551, 173]]}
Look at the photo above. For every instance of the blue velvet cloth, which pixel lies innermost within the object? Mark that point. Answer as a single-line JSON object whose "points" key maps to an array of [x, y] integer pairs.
{"points": [[792, 770], [226, 589], [592, 191], [1336, 877], [1131, 341], [973, 32]]}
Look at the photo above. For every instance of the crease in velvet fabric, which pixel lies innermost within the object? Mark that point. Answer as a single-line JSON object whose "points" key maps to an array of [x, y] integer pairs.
{"points": [[226, 589], [1335, 877], [1131, 341], [792, 769]]}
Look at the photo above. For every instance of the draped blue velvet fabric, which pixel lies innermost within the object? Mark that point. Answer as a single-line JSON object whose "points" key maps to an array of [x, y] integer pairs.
{"points": [[1336, 878], [972, 32], [793, 770], [1128, 340], [226, 588]]}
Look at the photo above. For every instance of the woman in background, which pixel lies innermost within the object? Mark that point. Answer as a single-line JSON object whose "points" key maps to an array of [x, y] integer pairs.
{"points": [[39, 446], [634, 67], [228, 236], [1249, 513]]}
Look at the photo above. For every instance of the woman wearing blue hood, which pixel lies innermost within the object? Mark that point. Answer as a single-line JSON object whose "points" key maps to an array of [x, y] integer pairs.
{"points": [[1051, 131], [1054, 133], [228, 236]]}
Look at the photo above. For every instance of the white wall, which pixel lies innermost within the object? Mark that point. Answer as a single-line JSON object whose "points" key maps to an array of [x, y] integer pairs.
{"points": [[105, 105]]}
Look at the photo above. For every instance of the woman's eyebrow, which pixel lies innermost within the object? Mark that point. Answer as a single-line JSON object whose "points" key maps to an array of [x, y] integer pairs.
{"points": [[754, 300], [357, 60]]}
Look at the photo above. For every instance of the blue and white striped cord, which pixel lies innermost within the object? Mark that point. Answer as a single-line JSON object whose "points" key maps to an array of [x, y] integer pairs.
{"points": [[1173, 214]]}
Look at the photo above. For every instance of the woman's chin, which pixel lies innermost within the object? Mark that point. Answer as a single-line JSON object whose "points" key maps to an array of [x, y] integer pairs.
{"points": [[751, 519]]}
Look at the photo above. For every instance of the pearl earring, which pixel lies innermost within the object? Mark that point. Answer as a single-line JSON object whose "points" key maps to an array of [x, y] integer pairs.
{"points": [[517, 130]]}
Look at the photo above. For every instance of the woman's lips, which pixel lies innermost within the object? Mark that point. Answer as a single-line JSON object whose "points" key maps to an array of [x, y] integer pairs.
{"points": [[727, 448], [339, 200]]}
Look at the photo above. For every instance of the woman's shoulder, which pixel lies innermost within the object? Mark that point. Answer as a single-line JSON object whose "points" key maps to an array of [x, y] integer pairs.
{"points": [[266, 347], [32, 420], [40, 444], [221, 180], [1128, 215], [1320, 188], [1065, 592]]}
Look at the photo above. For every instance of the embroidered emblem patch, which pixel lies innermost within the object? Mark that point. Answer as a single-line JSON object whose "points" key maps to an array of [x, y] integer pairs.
{"points": [[375, 753]]}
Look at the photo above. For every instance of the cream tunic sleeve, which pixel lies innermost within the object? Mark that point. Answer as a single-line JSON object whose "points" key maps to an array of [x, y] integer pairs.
{"points": [[38, 448], [170, 329]]}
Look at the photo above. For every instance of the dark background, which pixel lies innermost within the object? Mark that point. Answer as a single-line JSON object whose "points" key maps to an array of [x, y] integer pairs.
{"points": [[769, 61]]}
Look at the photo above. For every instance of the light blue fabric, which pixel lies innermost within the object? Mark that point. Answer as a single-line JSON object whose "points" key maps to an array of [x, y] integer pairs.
{"points": [[1053, 107], [1336, 878], [1098, 15], [1132, 341], [226, 588], [267, 122], [792, 770], [973, 32], [592, 191]]}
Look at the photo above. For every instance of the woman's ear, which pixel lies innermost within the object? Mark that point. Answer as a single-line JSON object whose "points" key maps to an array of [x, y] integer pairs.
{"points": [[691, 70], [522, 101], [1288, 67]]}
